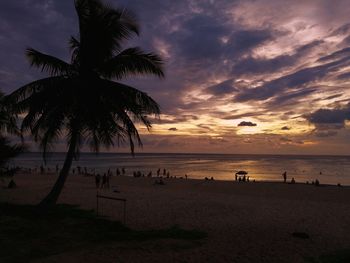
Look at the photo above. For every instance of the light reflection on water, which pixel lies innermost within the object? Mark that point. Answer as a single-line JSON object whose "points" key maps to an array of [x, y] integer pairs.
{"points": [[327, 169]]}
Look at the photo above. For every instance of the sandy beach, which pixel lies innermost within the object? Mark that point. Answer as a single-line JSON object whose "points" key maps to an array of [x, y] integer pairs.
{"points": [[245, 222]]}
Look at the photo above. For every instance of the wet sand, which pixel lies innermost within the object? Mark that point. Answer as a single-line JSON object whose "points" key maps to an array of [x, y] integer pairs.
{"points": [[245, 222]]}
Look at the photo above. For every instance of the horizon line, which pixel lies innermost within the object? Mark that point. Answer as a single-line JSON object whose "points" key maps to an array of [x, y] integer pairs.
{"points": [[191, 153]]}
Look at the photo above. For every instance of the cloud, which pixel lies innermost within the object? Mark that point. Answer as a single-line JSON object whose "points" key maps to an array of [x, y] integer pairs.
{"points": [[291, 97], [344, 75], [252, 65], [324, 134], [288, 141], [269, 61], [294, 81], [247, 123], [172, 129], [199, 37], [285, 139], [255, 114], [223, 88], [329, 122], [336, 55], [174, 119], [243, 41], [285, 128], [342, 30], [204, 126], [330, 116]]}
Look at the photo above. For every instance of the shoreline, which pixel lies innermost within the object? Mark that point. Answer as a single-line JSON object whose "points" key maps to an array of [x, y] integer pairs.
{"points": [[252, 181], [328, 170], [181, 153]]}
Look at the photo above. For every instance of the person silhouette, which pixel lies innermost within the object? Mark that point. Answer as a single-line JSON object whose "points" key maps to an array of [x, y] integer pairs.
{"points": [[284, 177], [104, 181], [97, 180]]}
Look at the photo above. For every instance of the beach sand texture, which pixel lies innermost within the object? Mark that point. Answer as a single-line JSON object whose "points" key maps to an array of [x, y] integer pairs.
{"points": [[245, 222]]}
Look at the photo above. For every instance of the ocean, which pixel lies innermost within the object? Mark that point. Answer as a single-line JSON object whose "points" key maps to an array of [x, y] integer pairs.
{"points": [[327, 169]]}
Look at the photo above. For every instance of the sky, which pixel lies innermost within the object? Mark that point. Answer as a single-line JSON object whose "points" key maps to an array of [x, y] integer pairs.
{"points": [[242, 76]]}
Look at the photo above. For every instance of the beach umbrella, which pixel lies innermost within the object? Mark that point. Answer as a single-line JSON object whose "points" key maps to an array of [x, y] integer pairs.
{"points": [[241, 173]]}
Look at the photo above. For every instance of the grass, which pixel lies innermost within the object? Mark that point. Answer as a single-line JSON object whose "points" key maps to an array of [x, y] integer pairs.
{"points": [[28, 233]]}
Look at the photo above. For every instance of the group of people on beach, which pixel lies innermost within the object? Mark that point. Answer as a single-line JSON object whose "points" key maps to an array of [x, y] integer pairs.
{"points": [[48, 170], [78, 170], [120, 172], [161, 173], [209, 179], [292, 181], [102, 182], [243, 178], [284, 175]]}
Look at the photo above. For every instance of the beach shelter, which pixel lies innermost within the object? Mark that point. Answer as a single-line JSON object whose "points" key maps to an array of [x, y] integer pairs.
{"points": [[240, 175]]}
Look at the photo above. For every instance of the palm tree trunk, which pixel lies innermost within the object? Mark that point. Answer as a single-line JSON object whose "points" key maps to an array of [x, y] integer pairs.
{"points": [[52, 197]]}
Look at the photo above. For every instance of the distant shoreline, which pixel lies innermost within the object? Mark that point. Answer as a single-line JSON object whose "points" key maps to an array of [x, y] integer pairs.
{"points": [[327, 169]]}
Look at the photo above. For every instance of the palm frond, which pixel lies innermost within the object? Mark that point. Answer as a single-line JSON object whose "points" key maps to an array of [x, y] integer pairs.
{"points": [[75, 135], [24, 92], [102, 30], [8, 150], [129, 105], [133, 61], [74, 45], [7, 117], [47, 129], [52, 65], [45, 104]]}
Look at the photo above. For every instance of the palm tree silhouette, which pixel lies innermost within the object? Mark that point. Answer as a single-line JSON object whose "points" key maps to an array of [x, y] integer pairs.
{"points": [[7, 125], [79, 99]]}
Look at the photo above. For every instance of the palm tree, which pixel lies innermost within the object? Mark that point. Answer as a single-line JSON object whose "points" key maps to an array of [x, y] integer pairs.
{"points": [[7, 125], [79, 99], [7, 120], [7, 152]]}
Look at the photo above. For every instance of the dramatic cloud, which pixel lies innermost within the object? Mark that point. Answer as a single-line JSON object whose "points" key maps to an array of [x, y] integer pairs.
{"points": [[275, 63], [330, 116], [296, 80], [225, 87], [251, 65]]}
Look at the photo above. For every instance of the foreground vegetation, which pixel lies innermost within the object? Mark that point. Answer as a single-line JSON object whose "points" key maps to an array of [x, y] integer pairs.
{"points": [[28, 234], [341, 256]]}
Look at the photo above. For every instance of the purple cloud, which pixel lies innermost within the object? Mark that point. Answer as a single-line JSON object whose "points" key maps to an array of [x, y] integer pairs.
{"points": [[330, 116]]}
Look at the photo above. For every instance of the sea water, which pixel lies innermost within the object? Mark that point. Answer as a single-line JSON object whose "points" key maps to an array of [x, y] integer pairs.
{"points": [[327, 169]]}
